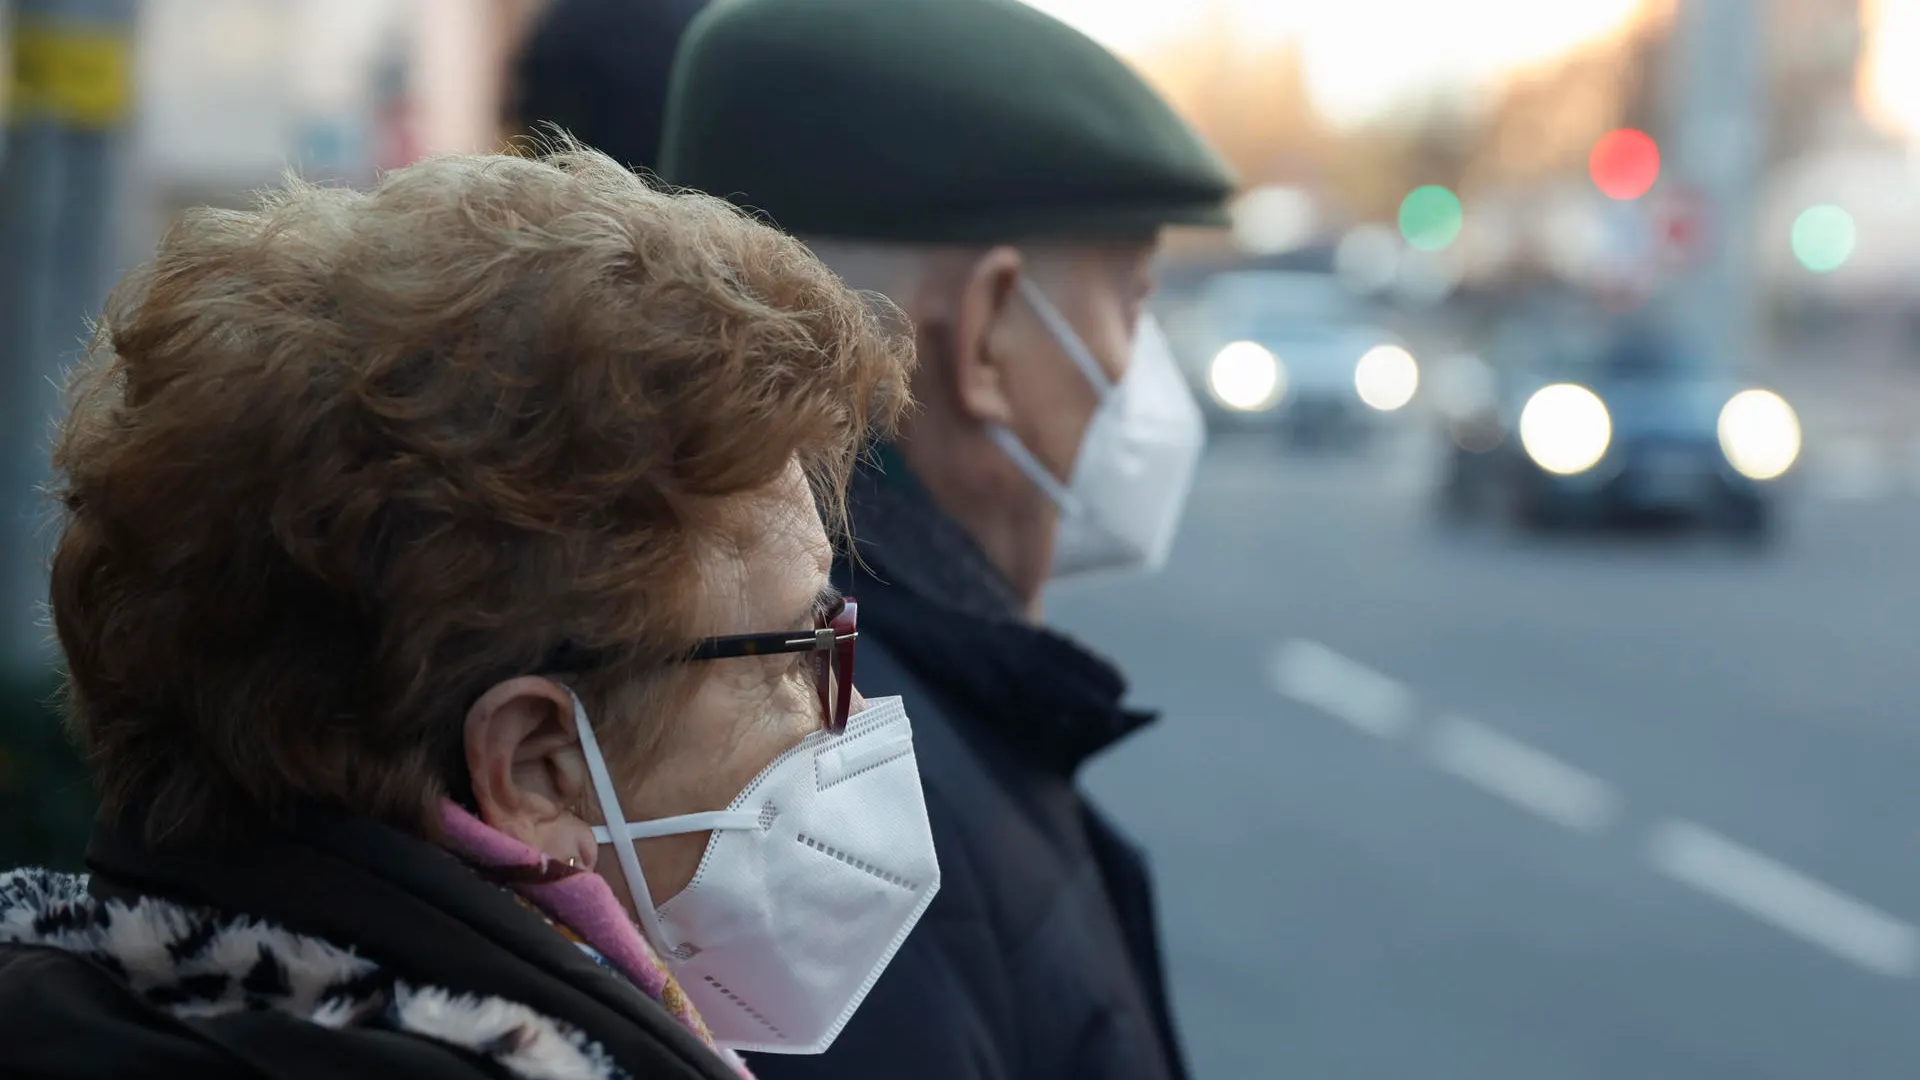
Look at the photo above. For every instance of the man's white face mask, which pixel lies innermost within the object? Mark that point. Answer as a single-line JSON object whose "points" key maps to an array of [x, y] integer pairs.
{"points": [[813, 878], [1122, 505]]}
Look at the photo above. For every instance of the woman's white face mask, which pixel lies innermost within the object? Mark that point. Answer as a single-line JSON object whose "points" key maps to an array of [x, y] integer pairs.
{"points": [[1120, 508], [813, 878]]}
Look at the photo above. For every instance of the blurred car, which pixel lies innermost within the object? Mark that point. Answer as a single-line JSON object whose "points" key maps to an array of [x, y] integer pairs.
{"points": [[1295, 353], [1622, 427]]}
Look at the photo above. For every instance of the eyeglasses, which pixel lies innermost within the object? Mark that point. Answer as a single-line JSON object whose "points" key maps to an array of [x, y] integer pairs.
{"points": [[835, 632], [831, 641]]}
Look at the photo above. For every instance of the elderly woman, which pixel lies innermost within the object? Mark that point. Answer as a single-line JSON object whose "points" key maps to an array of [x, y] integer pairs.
{"points": [[443, 584]]}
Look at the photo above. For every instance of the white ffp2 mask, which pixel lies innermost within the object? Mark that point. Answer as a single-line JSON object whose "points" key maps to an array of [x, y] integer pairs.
{"points": [[811, 882], [1122, 505]]}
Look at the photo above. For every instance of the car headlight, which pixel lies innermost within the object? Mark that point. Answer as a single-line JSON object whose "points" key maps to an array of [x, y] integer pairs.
{"points": [[1386, 377], [1760, 434], [1246, 377], [1565, 429]]}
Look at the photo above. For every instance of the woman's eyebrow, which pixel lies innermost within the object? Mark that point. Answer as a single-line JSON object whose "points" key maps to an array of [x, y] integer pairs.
{"points": [[828, 595]]}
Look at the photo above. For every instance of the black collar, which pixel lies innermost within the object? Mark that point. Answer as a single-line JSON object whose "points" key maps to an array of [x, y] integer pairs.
{"points": [[416, 910], [932, 596]]}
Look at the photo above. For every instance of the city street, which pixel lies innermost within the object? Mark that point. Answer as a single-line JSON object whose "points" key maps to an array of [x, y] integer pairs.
{"points": [[1478, 807], [1425, 801]]}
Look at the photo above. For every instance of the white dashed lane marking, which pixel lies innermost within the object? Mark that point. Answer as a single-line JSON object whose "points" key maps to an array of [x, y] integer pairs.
{"points": [[1536, 782], [1315, 675], [1785, 898], [1547, 787]]}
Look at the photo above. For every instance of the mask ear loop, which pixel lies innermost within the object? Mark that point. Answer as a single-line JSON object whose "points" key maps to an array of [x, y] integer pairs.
{"points": [[1068, 338], [1063, 333], [616, 832], [1041, 476]]}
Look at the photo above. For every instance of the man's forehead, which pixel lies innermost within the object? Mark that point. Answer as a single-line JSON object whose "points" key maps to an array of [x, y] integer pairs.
{"points": [[1121, 262], [1111, 251]]}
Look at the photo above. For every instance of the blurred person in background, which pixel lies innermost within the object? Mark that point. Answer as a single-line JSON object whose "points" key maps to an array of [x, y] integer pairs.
{"points": [[430, 621], [599, 70], [1004, 180]]}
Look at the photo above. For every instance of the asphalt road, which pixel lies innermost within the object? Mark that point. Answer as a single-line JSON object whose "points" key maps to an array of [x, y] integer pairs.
{"points": [[1437, 806]]}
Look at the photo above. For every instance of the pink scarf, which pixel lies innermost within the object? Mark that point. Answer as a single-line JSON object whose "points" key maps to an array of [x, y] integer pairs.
{"points": [[583, 908]]}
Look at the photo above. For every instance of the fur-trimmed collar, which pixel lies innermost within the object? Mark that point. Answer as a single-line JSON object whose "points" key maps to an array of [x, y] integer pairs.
{"points": [[197, 963]]}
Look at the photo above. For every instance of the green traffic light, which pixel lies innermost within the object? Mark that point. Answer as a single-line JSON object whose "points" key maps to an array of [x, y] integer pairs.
{"points": [[1823, 238], [1430, 217]]}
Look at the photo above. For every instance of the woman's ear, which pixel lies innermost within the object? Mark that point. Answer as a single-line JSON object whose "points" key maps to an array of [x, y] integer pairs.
{"points": [[528, 773]]}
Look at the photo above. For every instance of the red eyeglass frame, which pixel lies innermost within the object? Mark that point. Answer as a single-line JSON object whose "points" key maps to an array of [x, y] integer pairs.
{"points": [[836, 631]]}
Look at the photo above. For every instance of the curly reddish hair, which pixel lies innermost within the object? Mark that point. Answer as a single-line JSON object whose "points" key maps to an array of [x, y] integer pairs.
{"points": [[335, 465]]}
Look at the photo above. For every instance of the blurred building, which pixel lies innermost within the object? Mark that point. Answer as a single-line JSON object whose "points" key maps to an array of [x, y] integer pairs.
{"points": [[1839, 149], [1814, 52], [233, 92]]}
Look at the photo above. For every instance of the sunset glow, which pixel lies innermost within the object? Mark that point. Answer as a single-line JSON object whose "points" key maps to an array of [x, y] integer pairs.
{"points": [[1889, 81], [1364, 58]]}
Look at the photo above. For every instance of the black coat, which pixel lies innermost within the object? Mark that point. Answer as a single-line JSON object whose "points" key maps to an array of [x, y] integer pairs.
{"points": [[1038, 959], [238, 965]]}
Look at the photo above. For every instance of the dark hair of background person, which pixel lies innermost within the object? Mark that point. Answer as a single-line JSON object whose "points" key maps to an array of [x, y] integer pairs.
{"points": [[600, 69]]}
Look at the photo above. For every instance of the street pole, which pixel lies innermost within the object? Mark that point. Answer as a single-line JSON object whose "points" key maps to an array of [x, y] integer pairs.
{"points": [[66, 138], [1717, 143]]}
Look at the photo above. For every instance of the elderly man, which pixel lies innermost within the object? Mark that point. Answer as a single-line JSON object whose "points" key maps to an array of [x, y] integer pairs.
{"points": [[1004, 181]]}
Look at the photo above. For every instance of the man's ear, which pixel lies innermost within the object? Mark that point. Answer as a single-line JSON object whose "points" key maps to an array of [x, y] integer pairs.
{"points": [[528, 773], [978, 348]]}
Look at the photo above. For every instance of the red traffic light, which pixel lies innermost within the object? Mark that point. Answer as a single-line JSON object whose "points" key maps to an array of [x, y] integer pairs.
{"points": [[1624, 163]]}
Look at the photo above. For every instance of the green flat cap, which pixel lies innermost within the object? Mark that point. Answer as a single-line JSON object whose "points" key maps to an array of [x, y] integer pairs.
{"points": [[940, 121]]}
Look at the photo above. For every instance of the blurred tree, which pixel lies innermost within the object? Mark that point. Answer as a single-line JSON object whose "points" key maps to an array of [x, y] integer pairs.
{"points": [[1254, 107], [1546, 121], [1432, 145], [1815, 54]]}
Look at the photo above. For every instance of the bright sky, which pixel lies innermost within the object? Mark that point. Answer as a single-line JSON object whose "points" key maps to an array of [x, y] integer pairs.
{"points": [[1889, 80], [1363, 57]]}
